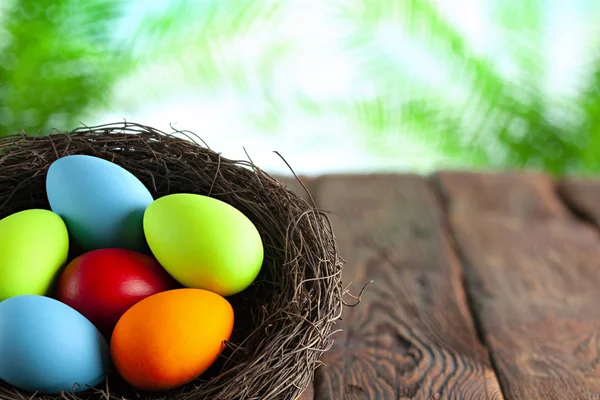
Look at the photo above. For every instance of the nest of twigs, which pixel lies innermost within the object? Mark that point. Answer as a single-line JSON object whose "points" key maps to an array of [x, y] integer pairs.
{"points": [[283, 321]]}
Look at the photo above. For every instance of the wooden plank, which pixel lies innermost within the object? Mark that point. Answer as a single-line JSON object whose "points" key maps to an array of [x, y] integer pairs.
{"points": [[292, 184], [412, 336], [582, 195], [526, 195], [534, 278]]}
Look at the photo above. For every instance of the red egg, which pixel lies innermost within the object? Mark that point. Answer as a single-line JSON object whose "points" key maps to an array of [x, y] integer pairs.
{"points": [[103, 284]]}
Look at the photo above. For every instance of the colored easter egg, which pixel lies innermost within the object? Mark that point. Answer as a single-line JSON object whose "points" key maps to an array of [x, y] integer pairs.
{"points": [[168, 339], [34, 245], [47, 346], [101, 203], [103, 284], [204, 243]]}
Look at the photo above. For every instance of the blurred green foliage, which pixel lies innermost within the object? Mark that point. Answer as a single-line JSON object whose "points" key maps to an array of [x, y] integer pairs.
{"points": [[59, 59], [500, 122]]}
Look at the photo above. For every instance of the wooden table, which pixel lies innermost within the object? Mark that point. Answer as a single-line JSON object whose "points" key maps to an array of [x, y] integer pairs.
{"points": [[486, 286]]}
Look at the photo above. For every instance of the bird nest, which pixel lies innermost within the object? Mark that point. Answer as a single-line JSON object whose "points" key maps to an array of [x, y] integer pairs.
{"points": [[283, 320]]}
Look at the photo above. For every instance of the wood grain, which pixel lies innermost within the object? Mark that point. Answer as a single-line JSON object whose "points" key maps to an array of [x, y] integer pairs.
{"points": [[582, 195], [412, 336], [534, 278], [527, 195], [292, 184]]}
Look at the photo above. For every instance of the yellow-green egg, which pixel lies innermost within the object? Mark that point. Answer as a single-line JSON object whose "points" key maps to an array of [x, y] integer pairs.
{"points": [[203, 242], [34, 245]]}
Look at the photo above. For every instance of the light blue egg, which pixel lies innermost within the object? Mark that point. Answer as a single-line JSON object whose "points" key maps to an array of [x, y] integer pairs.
{"points": [[47, 346], [101, 203]]}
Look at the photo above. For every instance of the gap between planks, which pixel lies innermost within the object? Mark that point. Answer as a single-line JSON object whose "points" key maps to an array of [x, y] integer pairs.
{"points": [[524, 206], [533, 274], [412, 337]]}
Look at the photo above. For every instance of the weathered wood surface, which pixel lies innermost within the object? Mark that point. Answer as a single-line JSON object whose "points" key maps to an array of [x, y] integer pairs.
{"points": [[533, 274], [583, 195], [412, 336], [525, 195]]}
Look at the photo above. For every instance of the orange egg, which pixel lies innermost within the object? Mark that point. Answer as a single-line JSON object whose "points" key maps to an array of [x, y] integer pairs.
{"points": [[169, 338]]}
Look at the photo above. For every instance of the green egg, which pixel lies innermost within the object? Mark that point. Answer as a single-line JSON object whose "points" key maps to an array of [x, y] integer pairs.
{"points": [[34, 245], [203, 242]]}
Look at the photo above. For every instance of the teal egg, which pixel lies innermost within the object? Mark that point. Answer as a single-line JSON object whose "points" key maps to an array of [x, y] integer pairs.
{"points": [[47, 346], [101, 203]]}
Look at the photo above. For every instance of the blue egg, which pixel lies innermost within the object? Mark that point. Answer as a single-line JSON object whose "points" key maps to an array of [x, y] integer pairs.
{"points": [[47, 346], [101, 203]]}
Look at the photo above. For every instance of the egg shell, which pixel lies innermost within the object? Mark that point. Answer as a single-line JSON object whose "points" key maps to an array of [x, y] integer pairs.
{"points": [[169, 338], [47, 346], [103, 284], [102, 203], [34, 245], [204, 242]]}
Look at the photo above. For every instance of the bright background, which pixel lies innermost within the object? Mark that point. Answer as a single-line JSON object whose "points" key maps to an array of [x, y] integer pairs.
{"points": [[335, 86]]}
